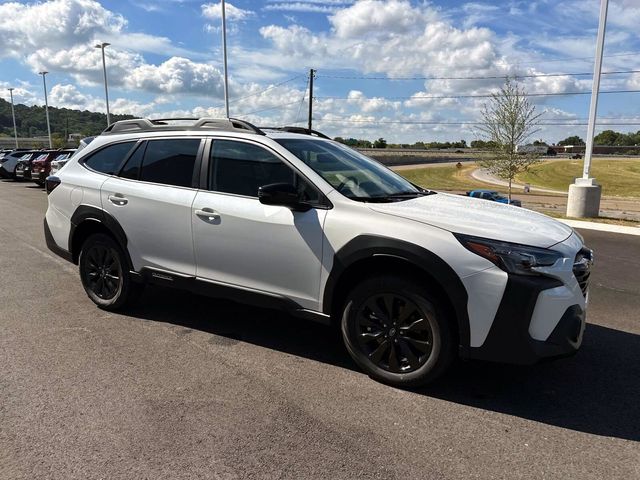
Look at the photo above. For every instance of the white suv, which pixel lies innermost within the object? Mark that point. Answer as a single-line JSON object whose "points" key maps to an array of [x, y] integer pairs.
{"points": [[287, 218]]}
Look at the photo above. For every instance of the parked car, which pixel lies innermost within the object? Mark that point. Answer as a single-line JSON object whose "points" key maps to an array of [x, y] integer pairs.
{"points": [[287, 218], [492, 196], [41, 166], [23, 167], [58, 163], [9, 162]]}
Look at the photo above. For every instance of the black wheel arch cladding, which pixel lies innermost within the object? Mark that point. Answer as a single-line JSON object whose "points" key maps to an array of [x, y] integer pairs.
{"points": [[88, 213], [365, 247]]}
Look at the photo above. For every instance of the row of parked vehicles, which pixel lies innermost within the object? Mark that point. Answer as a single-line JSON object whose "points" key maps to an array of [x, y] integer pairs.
{"points": [[34, 165]]}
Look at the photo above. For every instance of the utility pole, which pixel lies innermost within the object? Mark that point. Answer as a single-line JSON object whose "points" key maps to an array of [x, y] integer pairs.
{"points": [[13, 114], [224, 54], [311, 75], [46, 105], [584, 193], [104, 72]]}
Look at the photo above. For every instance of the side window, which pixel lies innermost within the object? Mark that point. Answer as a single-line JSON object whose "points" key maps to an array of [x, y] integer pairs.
{"points": [[242, 168], [170, 161], [131, 169], [109, 159]]}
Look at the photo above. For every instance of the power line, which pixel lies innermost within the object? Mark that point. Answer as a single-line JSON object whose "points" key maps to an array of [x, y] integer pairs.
{"points": [[277, 107], [488, 77], [462, 122], [262, 91], [485, 95], [565, 59]]}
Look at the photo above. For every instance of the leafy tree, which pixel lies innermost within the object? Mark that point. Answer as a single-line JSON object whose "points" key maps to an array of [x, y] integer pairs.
{"points": [[481, 144], [380, 143], [573, 140], [540, 142], [31, 121], [354, 142], [508, 120], [607, 137], [58, 140]]}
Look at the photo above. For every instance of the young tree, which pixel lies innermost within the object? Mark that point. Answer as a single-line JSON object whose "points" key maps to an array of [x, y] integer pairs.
{"points": [[508, 120]]}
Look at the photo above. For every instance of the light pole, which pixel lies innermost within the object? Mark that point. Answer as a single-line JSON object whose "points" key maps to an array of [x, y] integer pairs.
{"points": [[13, 114], [46, 105], [104, 71], [585, 193], [224, 54]]}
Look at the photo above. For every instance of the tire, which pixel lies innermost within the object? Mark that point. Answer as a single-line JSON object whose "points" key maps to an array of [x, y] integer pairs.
{"points": [[105, 275], [414, 348]]}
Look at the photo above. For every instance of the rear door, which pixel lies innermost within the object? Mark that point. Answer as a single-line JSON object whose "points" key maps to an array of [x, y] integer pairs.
{"points": [[151, 198]]}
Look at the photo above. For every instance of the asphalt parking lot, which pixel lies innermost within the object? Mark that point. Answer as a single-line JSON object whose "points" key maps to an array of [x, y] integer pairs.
{"points": [[187, 387]]}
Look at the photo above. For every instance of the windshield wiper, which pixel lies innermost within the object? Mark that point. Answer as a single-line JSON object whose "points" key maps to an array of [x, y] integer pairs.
{"points": [[393, 196]]}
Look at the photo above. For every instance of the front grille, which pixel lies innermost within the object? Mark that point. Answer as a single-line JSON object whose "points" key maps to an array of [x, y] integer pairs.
{"points": [[582, 268]]}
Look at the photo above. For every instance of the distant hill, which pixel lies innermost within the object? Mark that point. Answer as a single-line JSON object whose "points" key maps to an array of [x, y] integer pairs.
{"points": [[32, 122]]}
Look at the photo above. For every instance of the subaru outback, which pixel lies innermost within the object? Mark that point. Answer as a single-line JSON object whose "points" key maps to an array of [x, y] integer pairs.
{"points": [[287, 218]]}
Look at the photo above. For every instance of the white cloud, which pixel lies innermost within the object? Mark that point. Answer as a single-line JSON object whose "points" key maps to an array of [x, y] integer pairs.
{"points": [[380, 18], [22, 93], [367, 105], [213, 11], [176, 75], [68, 96], [55, 23], [142, 42], [305, 7], [392, 37]]}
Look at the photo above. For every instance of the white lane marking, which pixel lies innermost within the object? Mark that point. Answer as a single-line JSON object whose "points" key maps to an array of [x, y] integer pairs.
{"points": [[66, 266]]}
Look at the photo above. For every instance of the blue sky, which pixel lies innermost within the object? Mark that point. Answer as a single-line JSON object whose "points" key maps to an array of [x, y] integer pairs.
{"points": [[379, 63]]}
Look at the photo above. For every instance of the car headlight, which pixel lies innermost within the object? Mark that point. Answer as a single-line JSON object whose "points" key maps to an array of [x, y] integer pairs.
{"points": [[510, 257]]}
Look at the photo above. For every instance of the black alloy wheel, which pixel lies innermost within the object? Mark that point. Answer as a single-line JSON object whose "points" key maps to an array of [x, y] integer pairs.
{"points": [[394, 332], [398, 331], [103, 271], [105, 275]]}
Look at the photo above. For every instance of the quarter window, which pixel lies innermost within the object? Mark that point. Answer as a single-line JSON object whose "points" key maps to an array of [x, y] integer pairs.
{"points": [[109, 159], [170, 161]]}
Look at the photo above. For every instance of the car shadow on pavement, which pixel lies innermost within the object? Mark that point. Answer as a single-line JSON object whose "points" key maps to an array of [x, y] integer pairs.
{"points": [[597, 391]]}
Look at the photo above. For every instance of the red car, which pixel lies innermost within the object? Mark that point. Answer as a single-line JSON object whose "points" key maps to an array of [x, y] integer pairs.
{"points": [[41, 165]]}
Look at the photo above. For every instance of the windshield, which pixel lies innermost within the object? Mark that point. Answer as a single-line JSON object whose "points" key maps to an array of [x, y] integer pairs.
{"points": [[354, 175]]}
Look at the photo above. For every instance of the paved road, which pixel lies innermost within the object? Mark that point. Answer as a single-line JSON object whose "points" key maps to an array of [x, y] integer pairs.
{"points": [[186, 387]]}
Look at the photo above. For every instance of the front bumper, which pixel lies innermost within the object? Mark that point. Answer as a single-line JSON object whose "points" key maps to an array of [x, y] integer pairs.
{"points": [[510, 338]]}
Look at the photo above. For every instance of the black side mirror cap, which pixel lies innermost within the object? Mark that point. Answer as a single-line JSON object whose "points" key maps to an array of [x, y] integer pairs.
{"points": [[282, 194]]}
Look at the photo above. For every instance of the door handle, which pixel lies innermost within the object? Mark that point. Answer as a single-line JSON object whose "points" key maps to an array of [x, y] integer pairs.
{"points": [[118, 199], [208, 214]]}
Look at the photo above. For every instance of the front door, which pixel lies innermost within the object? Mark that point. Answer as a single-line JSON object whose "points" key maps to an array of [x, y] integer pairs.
{"points": [[241, 242]]}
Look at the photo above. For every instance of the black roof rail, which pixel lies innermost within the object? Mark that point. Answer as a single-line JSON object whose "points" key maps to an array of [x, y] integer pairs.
{"points": [[302, 130], [162, 124]]}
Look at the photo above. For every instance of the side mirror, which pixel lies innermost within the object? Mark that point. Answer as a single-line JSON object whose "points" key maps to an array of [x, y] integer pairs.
{"points": [[282, 194]]}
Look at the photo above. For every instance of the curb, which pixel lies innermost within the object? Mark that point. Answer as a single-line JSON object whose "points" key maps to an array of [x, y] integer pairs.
{"points": [[603, 227]]}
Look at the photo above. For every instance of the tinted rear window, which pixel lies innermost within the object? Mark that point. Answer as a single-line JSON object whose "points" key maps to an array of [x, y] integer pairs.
{"points": [[170, 161]]}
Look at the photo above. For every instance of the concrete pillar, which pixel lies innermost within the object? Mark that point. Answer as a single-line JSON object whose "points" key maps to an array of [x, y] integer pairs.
{"points": [[584, 198]]}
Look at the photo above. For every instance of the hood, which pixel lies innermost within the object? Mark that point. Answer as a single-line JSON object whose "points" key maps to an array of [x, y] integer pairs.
{"points": [[480, 218]]}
